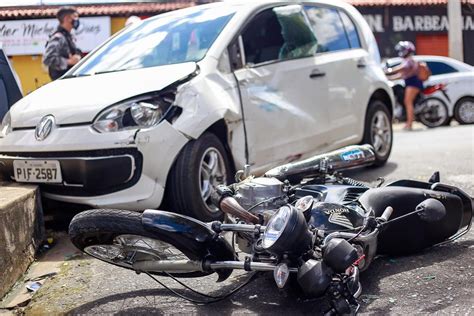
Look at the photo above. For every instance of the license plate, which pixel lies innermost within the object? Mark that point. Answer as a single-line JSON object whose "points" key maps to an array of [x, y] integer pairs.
{"points": [[37, 171]]}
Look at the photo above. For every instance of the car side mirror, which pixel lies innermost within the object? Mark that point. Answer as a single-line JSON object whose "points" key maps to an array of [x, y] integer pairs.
{"points": [[431, 210]]}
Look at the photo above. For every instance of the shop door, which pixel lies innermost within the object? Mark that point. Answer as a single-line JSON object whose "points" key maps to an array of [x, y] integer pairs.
{"points": [[432, 45]]}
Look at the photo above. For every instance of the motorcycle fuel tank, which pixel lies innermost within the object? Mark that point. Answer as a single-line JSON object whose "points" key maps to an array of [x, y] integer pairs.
{"points": [[335, 217]]}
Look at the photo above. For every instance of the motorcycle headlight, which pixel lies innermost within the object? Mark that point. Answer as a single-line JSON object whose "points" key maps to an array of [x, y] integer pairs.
{"points": [[6, 126], [276, 226], [139, 113], [287, 232]]}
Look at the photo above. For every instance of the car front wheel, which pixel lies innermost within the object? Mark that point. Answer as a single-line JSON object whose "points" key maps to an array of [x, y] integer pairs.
{"points": [[378, 131], [200, 167], [464, 110]]}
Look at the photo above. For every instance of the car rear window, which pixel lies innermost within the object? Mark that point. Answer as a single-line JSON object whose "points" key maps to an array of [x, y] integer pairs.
{"points": [[440, 68]]}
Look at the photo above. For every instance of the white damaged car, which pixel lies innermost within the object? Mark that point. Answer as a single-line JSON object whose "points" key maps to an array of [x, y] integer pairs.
{"points": [[173, 105]]}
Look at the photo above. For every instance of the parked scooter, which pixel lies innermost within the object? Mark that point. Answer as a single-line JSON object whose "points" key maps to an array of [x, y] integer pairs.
{"points": [[430, 110], [302, 221]]}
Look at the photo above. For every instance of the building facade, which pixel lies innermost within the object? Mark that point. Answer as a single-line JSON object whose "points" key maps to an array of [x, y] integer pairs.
{"points": [[24, 31], [423, 22]]}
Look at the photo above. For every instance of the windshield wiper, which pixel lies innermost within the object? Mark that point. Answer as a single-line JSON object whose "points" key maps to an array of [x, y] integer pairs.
{"points": [[75, 76], [108, 71], [95, 73]]}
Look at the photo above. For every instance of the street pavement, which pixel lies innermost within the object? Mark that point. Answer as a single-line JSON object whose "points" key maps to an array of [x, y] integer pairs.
{"points": [[439, 280]]}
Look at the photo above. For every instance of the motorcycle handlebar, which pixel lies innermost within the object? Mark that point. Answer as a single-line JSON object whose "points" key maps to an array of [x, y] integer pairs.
{"points": [[386, 214], [230, 205]]}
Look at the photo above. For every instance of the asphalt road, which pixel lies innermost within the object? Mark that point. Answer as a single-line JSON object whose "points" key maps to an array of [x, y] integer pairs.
{"points": [[437, 280]]}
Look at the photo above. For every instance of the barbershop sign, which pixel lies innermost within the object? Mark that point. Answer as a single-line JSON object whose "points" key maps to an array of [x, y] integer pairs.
{"points": [[416, 23], [416, 19], [29, 37]]}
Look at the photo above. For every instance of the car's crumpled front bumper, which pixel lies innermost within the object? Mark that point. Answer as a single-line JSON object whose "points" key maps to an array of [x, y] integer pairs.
{"points": [[121, 170]]}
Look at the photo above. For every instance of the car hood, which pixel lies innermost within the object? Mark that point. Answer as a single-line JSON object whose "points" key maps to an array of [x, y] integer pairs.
{"points": [[79, 100]]}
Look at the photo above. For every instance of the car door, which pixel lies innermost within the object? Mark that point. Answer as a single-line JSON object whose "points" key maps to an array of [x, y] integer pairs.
{"points": [[344, 62], [283, 92]]}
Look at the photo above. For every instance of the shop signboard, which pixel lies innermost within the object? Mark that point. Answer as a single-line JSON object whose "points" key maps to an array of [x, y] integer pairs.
{"points": [[391, 24], [29, 37]]}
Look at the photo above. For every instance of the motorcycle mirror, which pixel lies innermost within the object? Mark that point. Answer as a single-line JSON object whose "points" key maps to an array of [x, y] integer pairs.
{"points": [[431, 210], [435, 177]]}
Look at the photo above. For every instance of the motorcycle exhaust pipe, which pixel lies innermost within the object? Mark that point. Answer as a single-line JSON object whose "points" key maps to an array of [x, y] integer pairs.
{"points": [[181, 266], [248, 266], [342, 159], [175, 266]]}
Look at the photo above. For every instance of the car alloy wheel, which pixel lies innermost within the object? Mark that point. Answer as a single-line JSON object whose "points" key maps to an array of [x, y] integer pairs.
{"points": [[465, 111], [212, 173], [381, 135], [201, 165]]}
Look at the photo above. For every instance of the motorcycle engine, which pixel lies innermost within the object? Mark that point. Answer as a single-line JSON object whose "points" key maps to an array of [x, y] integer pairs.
{"points": [[261, 195]]}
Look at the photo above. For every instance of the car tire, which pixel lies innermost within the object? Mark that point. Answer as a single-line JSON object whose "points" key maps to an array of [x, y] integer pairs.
{"points": [[191, 183], [425, 117], [464, 110], [378, 131]]}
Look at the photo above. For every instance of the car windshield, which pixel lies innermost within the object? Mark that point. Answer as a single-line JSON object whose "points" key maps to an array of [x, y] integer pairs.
{"points": [[173, 38]]}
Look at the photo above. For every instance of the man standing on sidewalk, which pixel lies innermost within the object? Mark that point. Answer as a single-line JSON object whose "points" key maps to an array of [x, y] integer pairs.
{"points": [[61, 51]]}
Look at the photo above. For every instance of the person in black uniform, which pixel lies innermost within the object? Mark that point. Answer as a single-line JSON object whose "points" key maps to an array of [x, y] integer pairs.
{"points": [[61, 51]]}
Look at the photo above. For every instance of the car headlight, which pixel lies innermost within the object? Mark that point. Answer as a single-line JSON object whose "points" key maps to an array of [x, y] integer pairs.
{"points": [[6, 126], [287, 232], [139, 113]]}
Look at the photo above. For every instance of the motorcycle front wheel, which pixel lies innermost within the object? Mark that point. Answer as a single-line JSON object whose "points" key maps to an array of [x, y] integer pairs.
{"points": [[119, 238]]}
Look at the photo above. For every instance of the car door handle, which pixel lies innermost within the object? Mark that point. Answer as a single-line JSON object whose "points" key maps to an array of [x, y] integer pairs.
{"points": [[316, 73], [361, 63]]}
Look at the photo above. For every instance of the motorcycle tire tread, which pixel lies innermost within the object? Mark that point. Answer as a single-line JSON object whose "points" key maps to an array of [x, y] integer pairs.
{"points": [[105, 221]]}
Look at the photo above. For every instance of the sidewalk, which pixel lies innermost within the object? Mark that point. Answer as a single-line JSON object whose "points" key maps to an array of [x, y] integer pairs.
{"points": [[21, 231]]}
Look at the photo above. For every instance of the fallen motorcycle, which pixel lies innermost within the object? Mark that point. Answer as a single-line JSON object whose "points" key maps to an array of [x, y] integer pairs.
{"points": [[306, 223]]}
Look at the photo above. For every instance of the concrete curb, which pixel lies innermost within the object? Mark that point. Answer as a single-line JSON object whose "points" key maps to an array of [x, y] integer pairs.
{"points": [[21, 231]]}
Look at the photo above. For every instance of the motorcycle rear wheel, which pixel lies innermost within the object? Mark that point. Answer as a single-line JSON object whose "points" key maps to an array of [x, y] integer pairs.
{"points": [[118, 237], [435, 112]]}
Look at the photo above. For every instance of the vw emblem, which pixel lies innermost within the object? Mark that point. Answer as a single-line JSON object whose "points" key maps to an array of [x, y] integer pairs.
{"points": [[44, 127]]}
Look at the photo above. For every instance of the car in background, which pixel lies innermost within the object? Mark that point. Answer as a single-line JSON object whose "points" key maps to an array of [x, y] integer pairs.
{"points": [[10, 91], [459, 80], [171, 106]]}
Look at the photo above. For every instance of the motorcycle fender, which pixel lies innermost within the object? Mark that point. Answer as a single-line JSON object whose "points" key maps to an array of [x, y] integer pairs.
{"points": [[190, 236]]}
